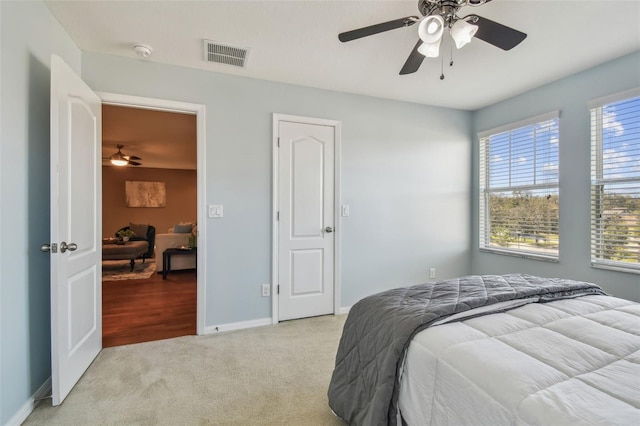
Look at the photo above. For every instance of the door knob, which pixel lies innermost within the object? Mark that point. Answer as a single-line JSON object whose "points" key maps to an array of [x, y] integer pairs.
{"points": [[328, 229], [53, 248], [64, 247]]}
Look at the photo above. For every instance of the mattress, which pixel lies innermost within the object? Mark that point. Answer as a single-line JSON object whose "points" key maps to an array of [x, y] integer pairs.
{"points": [[364, 386], [571, 361]]}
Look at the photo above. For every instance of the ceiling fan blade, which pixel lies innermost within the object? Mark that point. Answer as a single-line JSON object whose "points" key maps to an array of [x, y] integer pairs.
{"points": [[413, 61], [134, 163], [378, 28], [132, 157], [497, 34]]}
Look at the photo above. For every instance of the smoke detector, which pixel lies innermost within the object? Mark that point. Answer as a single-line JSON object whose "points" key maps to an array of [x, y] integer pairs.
{"points": [[143, 50]]}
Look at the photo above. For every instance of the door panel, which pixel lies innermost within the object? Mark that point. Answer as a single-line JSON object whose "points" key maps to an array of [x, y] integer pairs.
{"points": [[307, 274], [76, 211], [305, 197], [81, 166], [82, 293], [307, 213]]}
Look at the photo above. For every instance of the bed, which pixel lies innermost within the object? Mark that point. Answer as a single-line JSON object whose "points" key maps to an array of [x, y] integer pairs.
{"points": [[511, 349]]}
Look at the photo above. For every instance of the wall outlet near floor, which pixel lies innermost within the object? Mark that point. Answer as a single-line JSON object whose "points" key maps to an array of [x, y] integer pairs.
{"points": [[432, 272], [266, 290]]}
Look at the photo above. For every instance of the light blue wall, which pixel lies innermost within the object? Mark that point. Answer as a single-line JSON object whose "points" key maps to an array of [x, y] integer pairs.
{"points": [[408, 174], [28, 35], [405, 174], [569, 95]]}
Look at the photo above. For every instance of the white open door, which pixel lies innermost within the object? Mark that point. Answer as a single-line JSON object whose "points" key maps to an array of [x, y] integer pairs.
{"points": [[306, 226], [76, 222]]}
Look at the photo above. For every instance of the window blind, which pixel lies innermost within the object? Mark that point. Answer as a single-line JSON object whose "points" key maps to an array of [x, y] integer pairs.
{"points": [[519, 192], [615, 184]]}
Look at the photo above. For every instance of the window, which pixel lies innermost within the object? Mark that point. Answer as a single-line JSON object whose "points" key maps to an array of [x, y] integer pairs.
{"points": [[519, 193], [615, 182]]}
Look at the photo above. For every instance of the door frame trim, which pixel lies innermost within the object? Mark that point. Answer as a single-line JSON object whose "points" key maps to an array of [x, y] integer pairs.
{"points": [[277, 118], [200, 111]]}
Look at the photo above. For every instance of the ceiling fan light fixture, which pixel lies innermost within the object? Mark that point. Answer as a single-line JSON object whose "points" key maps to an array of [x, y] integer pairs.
{"points": [[462, 32], [119, 159], [430, 50], [438, 16], [431, 28]]}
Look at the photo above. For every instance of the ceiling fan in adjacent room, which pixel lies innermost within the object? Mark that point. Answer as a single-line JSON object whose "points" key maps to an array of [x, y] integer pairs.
{"points": [[119, 159], [438, 16]]}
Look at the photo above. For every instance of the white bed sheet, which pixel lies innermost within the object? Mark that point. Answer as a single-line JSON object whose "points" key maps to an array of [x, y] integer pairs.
{"points": [[569, 362]]}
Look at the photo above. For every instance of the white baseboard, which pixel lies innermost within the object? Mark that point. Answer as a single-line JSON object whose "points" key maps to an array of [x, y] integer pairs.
{"points": [[344, 310], [221, 328], [31, 404]]}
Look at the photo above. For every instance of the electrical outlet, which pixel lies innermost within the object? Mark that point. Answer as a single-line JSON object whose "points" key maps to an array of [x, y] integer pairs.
{"points": [[432, 272], [266, 290]]}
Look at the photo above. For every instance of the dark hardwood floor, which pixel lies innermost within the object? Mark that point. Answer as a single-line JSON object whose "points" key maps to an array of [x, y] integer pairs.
{"points": [[143, 310]]}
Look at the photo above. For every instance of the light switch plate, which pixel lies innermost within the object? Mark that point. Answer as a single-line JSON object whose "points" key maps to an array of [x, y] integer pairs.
{"points": [[216, 210], [345, 210]]}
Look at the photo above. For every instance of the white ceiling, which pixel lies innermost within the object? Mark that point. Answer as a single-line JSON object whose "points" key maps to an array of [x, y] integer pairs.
{"points": [[296, 42]]}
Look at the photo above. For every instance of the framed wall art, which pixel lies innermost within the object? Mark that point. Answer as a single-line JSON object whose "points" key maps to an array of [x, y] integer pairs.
{"points": [[145, 194]]}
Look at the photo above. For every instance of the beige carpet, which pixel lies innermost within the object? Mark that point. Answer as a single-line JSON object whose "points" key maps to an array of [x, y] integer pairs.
{"points": [[119, 270], [273, 375]]}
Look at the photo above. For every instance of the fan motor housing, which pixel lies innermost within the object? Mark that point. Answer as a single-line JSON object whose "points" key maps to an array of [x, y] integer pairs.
{"points": [[445, 8]]}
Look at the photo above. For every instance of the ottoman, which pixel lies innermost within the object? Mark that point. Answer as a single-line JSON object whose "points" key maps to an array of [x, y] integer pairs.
{"points": [[129, 250]]}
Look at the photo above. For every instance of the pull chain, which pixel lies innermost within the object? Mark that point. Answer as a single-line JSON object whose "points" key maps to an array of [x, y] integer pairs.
{"points": [[442, 61]]}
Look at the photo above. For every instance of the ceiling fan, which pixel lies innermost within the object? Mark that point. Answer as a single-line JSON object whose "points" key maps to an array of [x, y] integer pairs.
{"points": [[119, 159], [438, 16]]}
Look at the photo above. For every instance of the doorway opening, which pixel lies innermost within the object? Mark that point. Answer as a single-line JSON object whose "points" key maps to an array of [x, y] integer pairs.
{"points": [[157, 195]]}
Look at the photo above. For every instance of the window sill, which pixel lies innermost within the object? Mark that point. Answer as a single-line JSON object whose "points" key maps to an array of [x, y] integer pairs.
{"points": [[522, 255], [616, 267]]}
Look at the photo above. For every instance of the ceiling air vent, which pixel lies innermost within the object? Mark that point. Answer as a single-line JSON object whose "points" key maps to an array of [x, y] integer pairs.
{"points": [[225, 54]]}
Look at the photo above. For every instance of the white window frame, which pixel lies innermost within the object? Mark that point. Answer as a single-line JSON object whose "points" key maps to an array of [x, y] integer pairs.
{"points": [[484, 219], [598, 180]]}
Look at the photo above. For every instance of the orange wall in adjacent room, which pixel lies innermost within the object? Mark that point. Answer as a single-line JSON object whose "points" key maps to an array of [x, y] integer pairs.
{"points": [[181, 206]]}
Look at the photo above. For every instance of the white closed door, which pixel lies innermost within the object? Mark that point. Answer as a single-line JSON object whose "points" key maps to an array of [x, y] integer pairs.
{"points": [[306, 231], [76, 212]]}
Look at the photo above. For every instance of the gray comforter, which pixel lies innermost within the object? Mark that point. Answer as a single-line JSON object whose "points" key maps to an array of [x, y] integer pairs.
{"points": [[363, 388]]}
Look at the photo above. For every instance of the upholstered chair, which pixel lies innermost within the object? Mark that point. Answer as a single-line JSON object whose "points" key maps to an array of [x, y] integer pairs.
{"points": [[143, 233]]}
